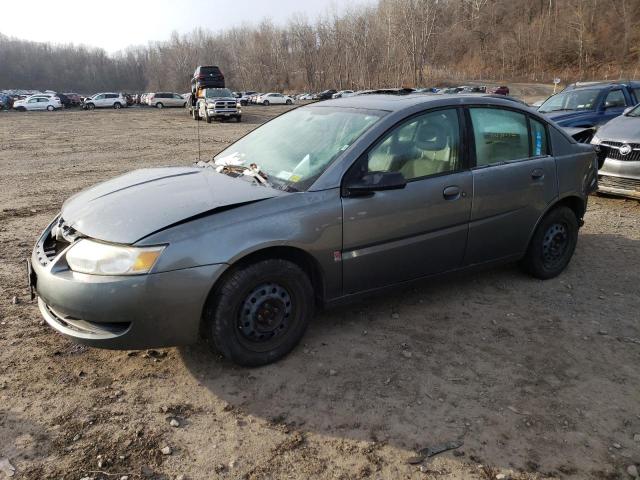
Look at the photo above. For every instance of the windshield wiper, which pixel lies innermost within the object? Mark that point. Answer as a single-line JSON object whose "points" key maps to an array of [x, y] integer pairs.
{"points": [[252, 171]]}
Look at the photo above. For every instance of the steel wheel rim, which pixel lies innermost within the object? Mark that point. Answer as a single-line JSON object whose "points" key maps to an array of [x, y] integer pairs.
{"points": [[265, 313], [555, 244]]}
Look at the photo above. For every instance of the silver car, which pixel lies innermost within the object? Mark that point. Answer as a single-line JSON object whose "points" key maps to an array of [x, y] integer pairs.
{"points": [[321, 205], [618, 142]]}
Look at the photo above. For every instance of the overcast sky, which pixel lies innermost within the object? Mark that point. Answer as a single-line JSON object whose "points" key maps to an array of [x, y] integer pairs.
{"points": [[116, 24]]}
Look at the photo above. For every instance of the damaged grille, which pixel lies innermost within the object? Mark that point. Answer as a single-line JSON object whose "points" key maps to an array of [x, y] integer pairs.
{"points": [[613, 151], [55, 240]]}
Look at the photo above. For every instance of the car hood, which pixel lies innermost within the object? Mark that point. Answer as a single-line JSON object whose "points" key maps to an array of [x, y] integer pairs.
{"points": [[132, 206], [621, 129], [560, 117]]}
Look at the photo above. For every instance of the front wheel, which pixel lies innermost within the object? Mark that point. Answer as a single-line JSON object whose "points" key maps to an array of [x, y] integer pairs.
{"points": [[50, 108], [552, 244], [260, 312], [239, 118], [266, 103], [91, 106], [159, 105], [289, 102], [207, 118]]}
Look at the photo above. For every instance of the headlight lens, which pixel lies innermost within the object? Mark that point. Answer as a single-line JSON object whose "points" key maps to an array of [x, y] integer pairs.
{"points": [[95, 258]]}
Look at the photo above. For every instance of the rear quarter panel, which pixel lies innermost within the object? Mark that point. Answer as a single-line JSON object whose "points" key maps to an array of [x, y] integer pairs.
{"points": [[576, 166]]}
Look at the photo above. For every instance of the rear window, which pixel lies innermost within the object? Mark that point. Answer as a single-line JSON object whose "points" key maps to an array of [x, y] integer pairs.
{"points": [[208, 70]]}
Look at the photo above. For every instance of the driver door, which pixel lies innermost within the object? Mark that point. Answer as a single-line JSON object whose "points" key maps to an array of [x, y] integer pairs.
{"points": [[397, 235]]}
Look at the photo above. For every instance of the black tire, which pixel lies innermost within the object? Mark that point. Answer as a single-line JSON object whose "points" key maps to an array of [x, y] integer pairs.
{"points": [[50, 108], [207, 118], [90, 106], [266, 103], [159, 105], [239, 118], [289, 102], [234, 315], [117, 105], [184, 105], [21, 109], [195, 114], [552, 244]]}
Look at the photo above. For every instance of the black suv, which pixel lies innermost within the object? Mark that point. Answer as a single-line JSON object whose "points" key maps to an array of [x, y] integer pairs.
{"points": [[207, 77]]}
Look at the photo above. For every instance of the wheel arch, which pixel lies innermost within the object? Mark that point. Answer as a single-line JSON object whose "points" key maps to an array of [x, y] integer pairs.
{"points": [[298, 256], [574, 202]]}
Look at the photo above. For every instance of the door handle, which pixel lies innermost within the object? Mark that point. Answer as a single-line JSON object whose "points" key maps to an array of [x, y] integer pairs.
{"points": [[451, 193], [537, 173]]}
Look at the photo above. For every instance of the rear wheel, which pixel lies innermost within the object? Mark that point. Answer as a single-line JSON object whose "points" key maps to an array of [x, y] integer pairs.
{"points": [[552, 244], [117, 105], [159, 105], [50, 108], [260, 312]]}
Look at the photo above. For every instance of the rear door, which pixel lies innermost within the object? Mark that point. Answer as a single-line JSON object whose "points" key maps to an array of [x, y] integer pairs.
{"points": [[397, 235], [513, 182], [176, 100]]}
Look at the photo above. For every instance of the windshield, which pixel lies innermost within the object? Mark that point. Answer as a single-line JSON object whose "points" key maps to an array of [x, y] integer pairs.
{"points": [[218, 92], [571, 100], [296, 147]]}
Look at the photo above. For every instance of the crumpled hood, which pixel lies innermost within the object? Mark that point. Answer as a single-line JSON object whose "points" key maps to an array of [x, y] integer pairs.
{"points": [[130, 207], [621, 129], [564, 117]]}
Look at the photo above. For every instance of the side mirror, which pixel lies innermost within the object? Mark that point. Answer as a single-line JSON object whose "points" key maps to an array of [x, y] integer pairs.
{"points": [[375, 182]]}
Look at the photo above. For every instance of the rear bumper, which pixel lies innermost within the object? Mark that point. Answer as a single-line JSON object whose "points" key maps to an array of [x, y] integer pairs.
{"points": [[124, 312]]}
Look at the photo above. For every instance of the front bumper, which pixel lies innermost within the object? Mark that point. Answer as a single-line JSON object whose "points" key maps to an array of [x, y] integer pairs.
{"points": [[123, 312], [620, 177], [212, 112]]}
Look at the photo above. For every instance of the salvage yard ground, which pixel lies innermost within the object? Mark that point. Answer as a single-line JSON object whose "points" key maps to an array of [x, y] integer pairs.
{"points": [[538, 379]]}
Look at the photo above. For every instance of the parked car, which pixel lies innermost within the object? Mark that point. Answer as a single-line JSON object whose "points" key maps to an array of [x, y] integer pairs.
{"points": [[166, 99], [342, 93], [6, 101], [592, 104], [274, 99], [245, 97], [501, 90], [320, 205], [619, 144], [105, 100], [74, 99], [324, 95], [38, 102], [207, 76], [217, 104]]}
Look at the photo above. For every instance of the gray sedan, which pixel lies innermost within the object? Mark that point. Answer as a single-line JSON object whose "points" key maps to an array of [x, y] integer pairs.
{"points": [[619, 144], [321, 205]]}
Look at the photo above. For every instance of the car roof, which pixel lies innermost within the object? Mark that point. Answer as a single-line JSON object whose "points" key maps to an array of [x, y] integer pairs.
{"points": [[394, 103], [599, 84]]}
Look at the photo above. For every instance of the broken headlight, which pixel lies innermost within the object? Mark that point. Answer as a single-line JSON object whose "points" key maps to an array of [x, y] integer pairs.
{"points": [[87, 256]]}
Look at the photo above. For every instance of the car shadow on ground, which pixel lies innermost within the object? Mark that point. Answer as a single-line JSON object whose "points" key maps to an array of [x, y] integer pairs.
{"points": [[516, 367]]}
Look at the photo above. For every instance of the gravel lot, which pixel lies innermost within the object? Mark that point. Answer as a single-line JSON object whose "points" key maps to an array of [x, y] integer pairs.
{"points": [[538, 379]]}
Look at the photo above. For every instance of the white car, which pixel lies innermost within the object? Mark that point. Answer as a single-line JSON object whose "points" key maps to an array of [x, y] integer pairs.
{"points": [[274, 99], [38, 102], [105, 100], [342, 93], [165, 99]]}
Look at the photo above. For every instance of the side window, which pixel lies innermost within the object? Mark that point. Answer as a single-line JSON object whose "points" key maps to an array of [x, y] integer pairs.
{"points": [[424, 145], [175, 95], [636, 93], [538, 138], [615, 98], [33, 100], [43, 100], [99, 97], [500, 135]]}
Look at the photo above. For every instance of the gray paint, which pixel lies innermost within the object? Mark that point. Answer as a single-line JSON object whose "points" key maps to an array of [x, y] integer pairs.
{"points": [[384, 239]]}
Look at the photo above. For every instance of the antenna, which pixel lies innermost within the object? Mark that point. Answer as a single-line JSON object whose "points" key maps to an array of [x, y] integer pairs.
{"points": [[198, 130]]}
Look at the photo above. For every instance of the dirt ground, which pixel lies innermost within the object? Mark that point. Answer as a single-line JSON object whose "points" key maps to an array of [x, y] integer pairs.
{"points": [[539, 379]]}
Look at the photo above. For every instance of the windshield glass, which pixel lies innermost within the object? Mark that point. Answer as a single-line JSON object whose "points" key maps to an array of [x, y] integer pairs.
{"points": [[218, 92], [295, 148], [571, 100]]}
